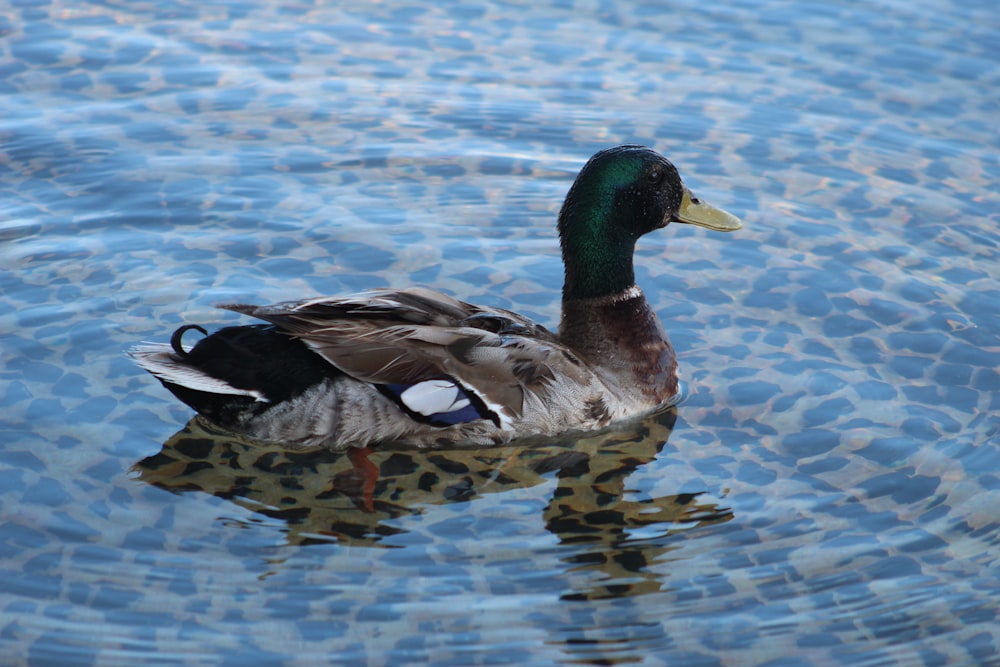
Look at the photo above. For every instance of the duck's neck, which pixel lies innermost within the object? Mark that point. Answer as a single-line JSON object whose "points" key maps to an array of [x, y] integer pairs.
{"points": [[598, 270], [597, 254], [620, 332], [597, 327]]}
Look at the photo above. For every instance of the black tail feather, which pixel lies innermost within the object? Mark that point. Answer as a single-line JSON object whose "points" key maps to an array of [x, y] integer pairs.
{"points": [[257, 358], [175, 339]]}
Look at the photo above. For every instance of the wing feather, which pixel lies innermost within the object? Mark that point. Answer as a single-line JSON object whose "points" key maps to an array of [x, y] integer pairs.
{"points": [[406, 337]]}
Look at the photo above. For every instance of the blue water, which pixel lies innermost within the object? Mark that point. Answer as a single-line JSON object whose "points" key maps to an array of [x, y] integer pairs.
{"points": [[828, 492]]}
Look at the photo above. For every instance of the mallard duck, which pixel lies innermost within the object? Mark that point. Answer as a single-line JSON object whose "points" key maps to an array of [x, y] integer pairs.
{"points": [[419, 367]]}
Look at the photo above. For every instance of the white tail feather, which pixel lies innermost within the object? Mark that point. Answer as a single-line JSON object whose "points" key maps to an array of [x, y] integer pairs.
{"points": [[160, 360]]}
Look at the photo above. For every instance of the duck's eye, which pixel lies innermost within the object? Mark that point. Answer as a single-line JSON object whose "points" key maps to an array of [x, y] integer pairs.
{"points": [[654, 176]]}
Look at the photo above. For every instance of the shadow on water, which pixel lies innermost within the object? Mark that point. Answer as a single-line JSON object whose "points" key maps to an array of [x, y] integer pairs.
{"points": [[361, 498]]}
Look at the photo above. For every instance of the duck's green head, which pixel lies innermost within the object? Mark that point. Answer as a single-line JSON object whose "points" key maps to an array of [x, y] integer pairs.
{"points": [[619, 195]]}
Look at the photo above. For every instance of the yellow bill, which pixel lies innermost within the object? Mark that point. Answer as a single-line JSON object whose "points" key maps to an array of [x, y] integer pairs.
{"points": [[696, 212]]}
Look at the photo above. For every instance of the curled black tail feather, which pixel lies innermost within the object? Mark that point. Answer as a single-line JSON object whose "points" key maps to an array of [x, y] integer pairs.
{"points": [[175, 339], [255, 357]]}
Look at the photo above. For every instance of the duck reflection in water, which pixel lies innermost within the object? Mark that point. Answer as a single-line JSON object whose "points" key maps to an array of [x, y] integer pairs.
{"points": [[362, 497]]}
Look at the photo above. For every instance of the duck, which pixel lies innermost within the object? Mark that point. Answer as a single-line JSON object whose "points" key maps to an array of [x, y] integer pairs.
{"points": [[417, 367]]}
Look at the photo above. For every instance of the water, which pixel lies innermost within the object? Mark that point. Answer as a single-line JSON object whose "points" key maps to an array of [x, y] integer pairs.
{"points": [[828, 493]]}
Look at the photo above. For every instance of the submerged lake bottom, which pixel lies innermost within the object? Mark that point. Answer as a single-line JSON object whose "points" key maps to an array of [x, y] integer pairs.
{"points": [[825, 495]]}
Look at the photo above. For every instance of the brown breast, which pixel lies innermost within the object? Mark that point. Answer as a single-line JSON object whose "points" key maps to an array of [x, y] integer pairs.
{"points": [[622, 334]]}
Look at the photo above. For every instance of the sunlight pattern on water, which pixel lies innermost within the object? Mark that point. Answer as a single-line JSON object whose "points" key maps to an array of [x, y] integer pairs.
{"points": [[827, 493]]}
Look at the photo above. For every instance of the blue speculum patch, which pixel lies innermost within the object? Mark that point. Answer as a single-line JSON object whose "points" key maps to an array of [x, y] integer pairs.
{"points": [[440, 402]]}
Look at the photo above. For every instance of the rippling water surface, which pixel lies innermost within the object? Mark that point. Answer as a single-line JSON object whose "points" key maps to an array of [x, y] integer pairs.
{"points": [[827, 495]]}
